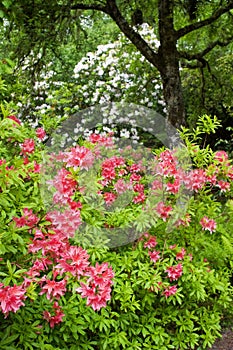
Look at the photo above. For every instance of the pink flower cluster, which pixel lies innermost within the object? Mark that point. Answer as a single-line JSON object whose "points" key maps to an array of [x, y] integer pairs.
{"points": [[208, 224], [11, 298], [174, 272]]}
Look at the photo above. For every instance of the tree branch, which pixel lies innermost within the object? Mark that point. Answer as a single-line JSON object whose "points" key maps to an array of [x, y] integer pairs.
{"points": [[199, 56], [131, 34], [113, 11], [197, 25]]}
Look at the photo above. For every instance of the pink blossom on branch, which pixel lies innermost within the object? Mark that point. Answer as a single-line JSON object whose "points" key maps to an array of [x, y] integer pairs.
{"points": [[174, 272], [28, 146], [79, 157], [208, 224], [57, 318], [171, 290], [40, 133]]}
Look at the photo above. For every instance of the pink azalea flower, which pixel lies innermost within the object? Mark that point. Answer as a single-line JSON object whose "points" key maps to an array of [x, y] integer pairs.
{"points": [[208, 224], [171, 290], [15, 119], [174, 272], [163, 210], [109, 197], [28, 219], [57, 318], [28, 146], [154, 256], [151, 242], [223, 185], [221, 156], [53, 289], [40, 133], [180, 255], [11, 298], [79, 157]]}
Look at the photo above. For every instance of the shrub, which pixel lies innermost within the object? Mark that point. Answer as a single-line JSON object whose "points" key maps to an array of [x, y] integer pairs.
{"points": [[66, 282]]}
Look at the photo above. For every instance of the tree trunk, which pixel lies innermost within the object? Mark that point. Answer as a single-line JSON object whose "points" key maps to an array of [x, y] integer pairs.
{"points": [[169, 65]]}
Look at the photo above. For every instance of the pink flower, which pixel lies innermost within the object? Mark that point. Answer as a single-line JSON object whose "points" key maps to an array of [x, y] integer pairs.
{"points": [[109, 197], [15, 119], [173, 187], [171, 290], [53, 289], [163, 210], [28, 219], [28, 146], [180, 255], [57, 318], [223, 185], [97, 290], [208, 224], [67, 222], [74, 261], [40, 133], [154, 255], [140, 198], [174, 272], [79, 157], [151, 242], [221, 156], [11, 298]]}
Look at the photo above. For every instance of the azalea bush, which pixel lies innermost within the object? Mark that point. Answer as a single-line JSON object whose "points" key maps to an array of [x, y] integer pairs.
{"points": [[109, 248]]}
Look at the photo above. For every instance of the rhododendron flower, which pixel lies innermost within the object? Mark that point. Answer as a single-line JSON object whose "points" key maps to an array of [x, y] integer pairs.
{"points": [[221, 156], [101, 140], [65, 186], [15, 119], [121, 186], [223, 185], [174, 272], [163, 210], [154, 255], [173, 187], [171, 290], [53, 289], [28, 219], [97, 290], [28, 146], [67, 222], [109, 197], [73, 260], [40, 133], [79, 157], [57, 318], [151, 242], [140, 198], [195, 179], [180, 255], [208, 224], [11, 298]]}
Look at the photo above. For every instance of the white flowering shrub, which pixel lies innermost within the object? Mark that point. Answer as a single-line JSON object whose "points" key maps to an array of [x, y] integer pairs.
{"points": [[114, 72]]}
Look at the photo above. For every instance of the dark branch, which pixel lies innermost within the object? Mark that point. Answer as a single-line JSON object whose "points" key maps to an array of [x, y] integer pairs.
{"points": [[114, 12], [197, 25], [199, 56]]}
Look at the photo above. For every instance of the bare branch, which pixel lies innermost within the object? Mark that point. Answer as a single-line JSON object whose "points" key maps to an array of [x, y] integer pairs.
{"points": [[197, 25]]}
